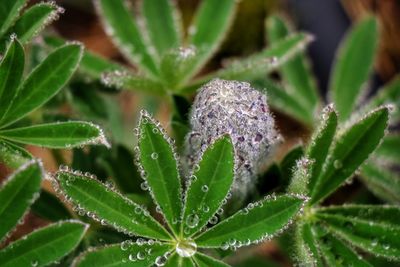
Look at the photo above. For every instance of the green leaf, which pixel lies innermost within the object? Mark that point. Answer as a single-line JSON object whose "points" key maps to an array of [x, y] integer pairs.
{"points": [[336, 253], [382, 182], [281, 100], [203, 260], [135, 82], [17, 193], [207, 34], [388, 149], [389, 94], [259, 221], [307, 248], [161, 18], [13, 156], [44, 246], [11, 71], [109, 206], [34, 20], [118, 19], [320, 143], [353, 66], [301, 176], [9, 11], [375, 213], [350, 150], [124, 254], [377, 237], [44, 82], [176, 261], [208, 185], [92, 64], [49, 207], [159, 161], [296, 72], [57, 135]]}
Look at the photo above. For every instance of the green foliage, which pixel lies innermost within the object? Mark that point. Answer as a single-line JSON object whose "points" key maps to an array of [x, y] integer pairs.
{"points": [[167, 60], [19, 97], [186, 214], [328, 234], [43, 246]]}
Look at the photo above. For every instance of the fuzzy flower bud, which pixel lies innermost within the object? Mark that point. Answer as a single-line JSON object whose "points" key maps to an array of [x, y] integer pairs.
{"points": [[237, 109]]}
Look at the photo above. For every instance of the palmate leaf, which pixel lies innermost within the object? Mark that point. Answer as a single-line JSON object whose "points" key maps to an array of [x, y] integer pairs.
{"points": [[176, 261], [163, 25], [57, 135], [353, 65], [121, 25], [159, 161], [259, 64], [43, 83], [17, 193], [259, 221], [373, 234], [108, 206], [124, 254], [34, 20], [320, 144], [13, 156], [350, 150], [208, 185], [44, 246], [296, 72]]}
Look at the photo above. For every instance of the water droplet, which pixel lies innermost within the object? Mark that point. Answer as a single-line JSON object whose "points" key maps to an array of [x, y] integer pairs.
{"points": [[34, 263], [186, 248], [140, 255], [154, 155], [132, 257], [161, 260], [144, 186], [192, 220], [204, 188], [374, 242], [337, 164], [213, 220], [206, 208]]}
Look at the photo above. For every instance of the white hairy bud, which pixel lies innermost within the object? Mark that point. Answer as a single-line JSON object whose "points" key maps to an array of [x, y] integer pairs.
{"points": [[241, 111]]}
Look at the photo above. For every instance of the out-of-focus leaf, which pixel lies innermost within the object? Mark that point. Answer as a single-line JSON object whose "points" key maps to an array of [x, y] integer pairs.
{"points": [[353, 66], [9, 11], [120, 24], [49, 207], [389, 148], [17, 193], [296, 72], [161, 17], [133, 82]]}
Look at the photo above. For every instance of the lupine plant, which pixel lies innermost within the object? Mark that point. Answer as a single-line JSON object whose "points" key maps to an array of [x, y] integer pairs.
{"points": [[348, 90], [188, 206], [44, 246]]}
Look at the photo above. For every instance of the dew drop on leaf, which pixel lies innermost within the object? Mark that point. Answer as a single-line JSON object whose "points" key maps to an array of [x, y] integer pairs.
{"points": [[34, 263], [161, 260], [186, 248], [192, 220], [154, 155], [337, 164], [204, 188]]}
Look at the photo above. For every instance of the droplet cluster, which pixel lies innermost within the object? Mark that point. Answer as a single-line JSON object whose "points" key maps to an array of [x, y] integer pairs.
{"points": [[235, 108]]}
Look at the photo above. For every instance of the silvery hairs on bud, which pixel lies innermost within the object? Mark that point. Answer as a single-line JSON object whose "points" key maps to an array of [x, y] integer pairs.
{"points": [[241, 111]]}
